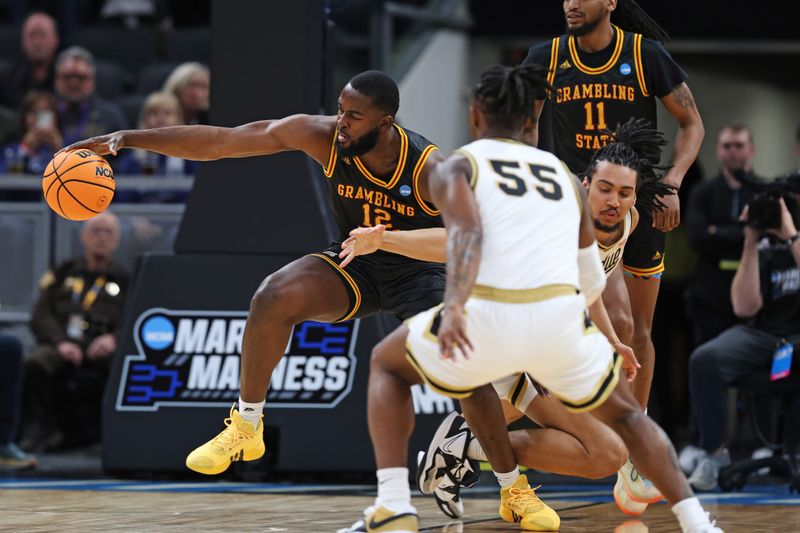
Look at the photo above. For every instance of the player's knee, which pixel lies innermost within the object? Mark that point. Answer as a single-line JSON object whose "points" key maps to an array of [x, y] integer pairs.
{"points": [[273, 297], [610, 458]]}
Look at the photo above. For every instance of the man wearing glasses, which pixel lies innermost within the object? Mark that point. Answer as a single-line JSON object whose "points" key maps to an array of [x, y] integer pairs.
{"points": [[82, 112]]}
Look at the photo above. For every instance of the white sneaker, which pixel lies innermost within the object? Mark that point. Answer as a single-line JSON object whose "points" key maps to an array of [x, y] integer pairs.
{"points": [[690, 457], [706, 473], [639, 488], [624, 501]]}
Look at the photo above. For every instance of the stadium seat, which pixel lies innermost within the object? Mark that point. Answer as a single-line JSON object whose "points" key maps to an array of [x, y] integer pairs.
{"points": [[131, 104], [190, 45], [110, 79], [152, 77], [132, 48]]}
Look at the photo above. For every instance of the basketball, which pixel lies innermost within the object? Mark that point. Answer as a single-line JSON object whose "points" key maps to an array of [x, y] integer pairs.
{"points": [[78, 184]]}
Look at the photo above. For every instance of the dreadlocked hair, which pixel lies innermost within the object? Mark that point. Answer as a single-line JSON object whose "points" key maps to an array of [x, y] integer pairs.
{"points": [[636, 145], [631, 17], [506, 95]]}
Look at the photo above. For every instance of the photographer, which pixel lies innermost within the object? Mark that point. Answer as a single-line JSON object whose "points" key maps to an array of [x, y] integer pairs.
{"points": [[766, 292]]}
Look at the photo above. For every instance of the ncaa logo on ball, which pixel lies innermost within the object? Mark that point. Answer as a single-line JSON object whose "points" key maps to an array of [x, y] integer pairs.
{"points": [[625, 69], [405, 190]]}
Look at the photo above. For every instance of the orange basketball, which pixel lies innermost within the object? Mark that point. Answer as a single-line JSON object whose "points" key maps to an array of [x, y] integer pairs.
{"points": [[78, 184]]}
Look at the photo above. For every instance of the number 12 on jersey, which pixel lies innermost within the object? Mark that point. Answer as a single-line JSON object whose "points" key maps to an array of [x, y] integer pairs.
{"points": [[375, 215]]}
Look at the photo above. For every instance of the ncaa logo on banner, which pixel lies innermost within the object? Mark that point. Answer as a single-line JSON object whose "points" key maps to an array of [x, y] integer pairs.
{"points": [[192, 359]]}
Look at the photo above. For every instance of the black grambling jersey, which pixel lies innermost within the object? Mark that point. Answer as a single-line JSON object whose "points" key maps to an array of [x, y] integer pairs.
{"points": [[587, 100], [359, 198]]}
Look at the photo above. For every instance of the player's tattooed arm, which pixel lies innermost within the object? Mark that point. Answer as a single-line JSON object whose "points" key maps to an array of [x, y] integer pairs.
{"points": [[453, 196], [683, 96]]}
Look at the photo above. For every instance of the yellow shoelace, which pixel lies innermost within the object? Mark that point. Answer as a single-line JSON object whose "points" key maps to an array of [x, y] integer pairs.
{"points": [[228, 438], [524, 499]]}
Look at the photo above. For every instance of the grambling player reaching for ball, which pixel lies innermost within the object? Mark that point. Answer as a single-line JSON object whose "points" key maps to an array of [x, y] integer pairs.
{"points": [[369, 162]]}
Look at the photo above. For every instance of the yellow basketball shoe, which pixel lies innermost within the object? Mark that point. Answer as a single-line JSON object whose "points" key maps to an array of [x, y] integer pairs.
{"points": [[239, 441], [519, 503]]}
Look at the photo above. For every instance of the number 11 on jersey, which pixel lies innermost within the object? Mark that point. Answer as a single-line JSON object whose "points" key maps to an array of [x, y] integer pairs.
{"points": [[601, 116]]}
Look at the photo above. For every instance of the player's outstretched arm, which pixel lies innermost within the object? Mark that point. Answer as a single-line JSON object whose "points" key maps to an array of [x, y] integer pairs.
{"points": [[311, 134], [426, 244], [450, 191]]}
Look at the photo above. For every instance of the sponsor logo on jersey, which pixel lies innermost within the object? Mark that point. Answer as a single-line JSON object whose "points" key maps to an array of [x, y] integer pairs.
{"points": [[405, 190], [656, 256], [192, 359], [565, 65], [624, 69]]}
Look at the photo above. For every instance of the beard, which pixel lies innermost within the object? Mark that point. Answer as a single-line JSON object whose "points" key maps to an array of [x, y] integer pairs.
{"points": [[607, 229], [360, 146], [588, 27]]}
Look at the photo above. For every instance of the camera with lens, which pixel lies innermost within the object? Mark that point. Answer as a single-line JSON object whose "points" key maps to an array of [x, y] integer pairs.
{"points": [[764, 210]]}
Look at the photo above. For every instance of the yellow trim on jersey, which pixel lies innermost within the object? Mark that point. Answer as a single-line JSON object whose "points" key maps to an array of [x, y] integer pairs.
{"points": [[573, 52], [350, 282], [605, 386], [522, 296], [627, 220], [551, 71], [415, 180], [328, 169], [645, 271], [441, 389], [398, 171], [637, 59], [473, 180]]}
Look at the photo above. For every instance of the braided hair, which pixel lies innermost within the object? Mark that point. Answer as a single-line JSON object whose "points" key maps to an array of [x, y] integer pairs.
{"points": [[636, 145], [631, 17], [506, 95]]}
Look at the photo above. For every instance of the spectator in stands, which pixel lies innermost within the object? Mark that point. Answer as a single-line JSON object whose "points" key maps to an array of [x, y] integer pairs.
{"points": [[34, 69], [81, 111], [766, 292], [39, 136], [716, 234], [190, 83], [10, 378], [75, 321]]}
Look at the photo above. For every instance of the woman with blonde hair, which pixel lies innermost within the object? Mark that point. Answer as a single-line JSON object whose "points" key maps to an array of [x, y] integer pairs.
{"points": [[190, 82]]}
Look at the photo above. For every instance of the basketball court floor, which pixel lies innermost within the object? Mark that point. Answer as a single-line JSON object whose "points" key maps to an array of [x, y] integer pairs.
{"points": [[41, 504]]}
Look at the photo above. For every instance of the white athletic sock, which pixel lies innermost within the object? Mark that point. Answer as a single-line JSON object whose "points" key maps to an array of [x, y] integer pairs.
{"points": [[251, 411], [393, 489], [474, 450], [507, 479], [690, 514]]}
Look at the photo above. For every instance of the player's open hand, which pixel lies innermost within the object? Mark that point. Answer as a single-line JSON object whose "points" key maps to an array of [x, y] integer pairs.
{"points": [[630, 365], [453, 334], [668, 218], [101, 145], [362, 241]]}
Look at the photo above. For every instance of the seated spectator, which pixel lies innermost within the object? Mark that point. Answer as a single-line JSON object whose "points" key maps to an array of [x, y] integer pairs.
{"points": [[75, 321], [39, 136], [190, 82], [34, 69], [765, 290], [10, 379], [161, 109], [82, 113]]}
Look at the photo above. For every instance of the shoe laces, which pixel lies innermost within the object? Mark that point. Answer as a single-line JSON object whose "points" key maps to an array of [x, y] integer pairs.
{"points": [[524, 499], [229, 438]]}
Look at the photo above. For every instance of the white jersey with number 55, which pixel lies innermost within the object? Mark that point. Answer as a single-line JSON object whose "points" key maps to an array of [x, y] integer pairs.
{"points": [[530, 212]]}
